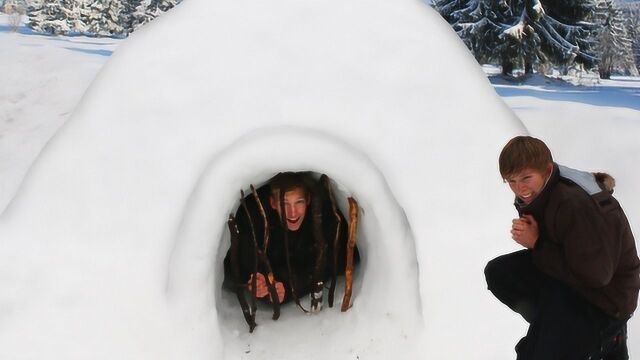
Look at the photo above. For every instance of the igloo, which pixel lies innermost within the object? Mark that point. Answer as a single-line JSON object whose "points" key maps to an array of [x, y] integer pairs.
{"points": [[113, 245]]}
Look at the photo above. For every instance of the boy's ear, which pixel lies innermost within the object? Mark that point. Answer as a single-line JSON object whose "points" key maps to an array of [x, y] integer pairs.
{"points": [[273, 203]]}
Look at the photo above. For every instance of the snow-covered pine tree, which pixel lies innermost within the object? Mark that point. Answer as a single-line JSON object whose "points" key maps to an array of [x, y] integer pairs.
{"points": [[148, 10], [156, 7], [633, 30], [166, 5], [521, 33], [613, 46], [519, 44], [47, 17], [566, 28], [140, 15], [477, 22], [128, 10], [75, 12], [104, 18]]}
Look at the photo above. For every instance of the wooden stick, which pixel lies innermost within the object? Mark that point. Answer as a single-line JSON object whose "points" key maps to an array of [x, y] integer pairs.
{"points": [[271, 283], [324, 179], [317, 284], [254, 279], [351, 244], [239, 288]]}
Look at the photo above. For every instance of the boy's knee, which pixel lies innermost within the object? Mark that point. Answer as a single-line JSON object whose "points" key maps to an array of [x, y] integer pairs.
{"points": [[494, 271], [490, 271]]}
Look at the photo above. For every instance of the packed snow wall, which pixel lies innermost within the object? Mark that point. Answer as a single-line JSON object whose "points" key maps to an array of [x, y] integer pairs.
{"points": [[389, 264], [123, 215]]}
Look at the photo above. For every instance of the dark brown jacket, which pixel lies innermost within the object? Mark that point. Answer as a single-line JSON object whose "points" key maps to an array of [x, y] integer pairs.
{"points": [[586, 242], [302, 251]]}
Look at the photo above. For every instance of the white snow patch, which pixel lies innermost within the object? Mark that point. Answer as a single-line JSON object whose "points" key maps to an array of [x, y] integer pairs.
{"points": [[44, 78]]}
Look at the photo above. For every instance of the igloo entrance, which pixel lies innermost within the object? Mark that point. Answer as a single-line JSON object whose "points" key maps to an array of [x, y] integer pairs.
{"points": [[315, 219], [388, 266]]}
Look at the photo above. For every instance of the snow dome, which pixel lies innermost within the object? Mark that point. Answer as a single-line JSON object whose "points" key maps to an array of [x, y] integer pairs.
{"points": [[123, 215]]}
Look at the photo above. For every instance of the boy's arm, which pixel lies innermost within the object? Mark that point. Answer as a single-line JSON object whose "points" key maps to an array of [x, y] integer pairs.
{"points": [[585, 256]]}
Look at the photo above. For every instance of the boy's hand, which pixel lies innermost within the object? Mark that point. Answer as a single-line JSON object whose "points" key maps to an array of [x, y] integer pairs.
{"points": [[280, 291], [525, 231], [262, 289]]}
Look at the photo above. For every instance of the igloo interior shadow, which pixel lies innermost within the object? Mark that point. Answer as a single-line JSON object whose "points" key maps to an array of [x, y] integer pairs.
{"points": [[296, 257]]}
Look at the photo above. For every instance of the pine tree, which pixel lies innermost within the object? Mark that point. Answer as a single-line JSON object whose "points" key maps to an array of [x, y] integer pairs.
{"points": [[58, 17], [165, 5], [75, 13], [140, 15], [129, 8], [613, 43], [104, 18], [47, 17], [94, 17], [148, 10], [522, 33], [633, 30]]}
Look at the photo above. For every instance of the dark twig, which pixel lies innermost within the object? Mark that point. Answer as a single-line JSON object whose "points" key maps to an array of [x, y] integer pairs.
{"points": [[271, 283], [233, 230], [285, 229], [324, 179], [351, 244], [254, 279], [317, 284]]}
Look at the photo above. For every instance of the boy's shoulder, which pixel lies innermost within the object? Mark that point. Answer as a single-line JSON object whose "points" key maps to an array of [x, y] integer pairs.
{"points": [[580, 188]]}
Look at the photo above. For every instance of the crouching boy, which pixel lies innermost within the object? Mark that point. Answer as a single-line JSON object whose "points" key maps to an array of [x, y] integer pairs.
{"points": [[576, 282]]}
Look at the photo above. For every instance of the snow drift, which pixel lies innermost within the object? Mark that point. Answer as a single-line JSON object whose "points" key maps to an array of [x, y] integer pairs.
{"points": [[117, 235]]}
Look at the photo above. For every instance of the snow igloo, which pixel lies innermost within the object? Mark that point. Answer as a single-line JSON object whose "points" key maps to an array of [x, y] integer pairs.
{"points": [[116, 238]]}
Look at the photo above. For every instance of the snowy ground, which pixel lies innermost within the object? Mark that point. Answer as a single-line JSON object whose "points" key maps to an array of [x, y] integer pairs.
{"points": [[43, 78], [591, 127]]}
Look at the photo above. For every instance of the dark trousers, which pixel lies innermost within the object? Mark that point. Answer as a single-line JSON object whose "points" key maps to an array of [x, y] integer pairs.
{"points": [[562, 325]]}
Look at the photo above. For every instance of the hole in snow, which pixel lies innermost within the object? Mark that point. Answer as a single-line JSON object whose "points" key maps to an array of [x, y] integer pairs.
{"points": [[305, 195]]}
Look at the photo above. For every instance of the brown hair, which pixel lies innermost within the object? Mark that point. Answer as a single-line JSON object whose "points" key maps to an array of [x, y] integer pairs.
{"points": [[524, 152], [287, 181]]}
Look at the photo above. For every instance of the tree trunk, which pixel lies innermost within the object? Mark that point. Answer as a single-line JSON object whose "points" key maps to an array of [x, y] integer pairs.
{"points": [[528, 67], [507, 67]]}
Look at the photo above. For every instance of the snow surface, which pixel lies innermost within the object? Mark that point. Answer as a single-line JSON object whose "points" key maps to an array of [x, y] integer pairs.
{"points": [[43, 80], [111, 238]]}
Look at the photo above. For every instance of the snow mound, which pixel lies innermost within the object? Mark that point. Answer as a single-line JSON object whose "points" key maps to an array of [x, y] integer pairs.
{"points": [[123, 215]]}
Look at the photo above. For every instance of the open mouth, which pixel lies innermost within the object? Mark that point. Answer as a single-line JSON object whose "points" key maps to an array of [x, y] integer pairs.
{"points": [[293, 221], [527, 197]]}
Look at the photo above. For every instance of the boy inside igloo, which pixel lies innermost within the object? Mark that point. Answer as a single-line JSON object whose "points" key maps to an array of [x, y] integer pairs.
{"points": [[288, 238]]}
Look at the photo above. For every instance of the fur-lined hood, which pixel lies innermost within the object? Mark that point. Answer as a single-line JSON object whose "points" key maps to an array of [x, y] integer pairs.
{"points": [[591, 182], [606, 181]]}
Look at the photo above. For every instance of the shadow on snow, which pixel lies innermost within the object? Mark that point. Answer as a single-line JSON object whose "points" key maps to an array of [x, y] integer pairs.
{"points": [[558, 90], [100, 52]]}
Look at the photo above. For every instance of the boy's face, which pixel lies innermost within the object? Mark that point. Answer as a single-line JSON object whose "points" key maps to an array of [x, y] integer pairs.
{"points": [[528, 183], [295, 204]]}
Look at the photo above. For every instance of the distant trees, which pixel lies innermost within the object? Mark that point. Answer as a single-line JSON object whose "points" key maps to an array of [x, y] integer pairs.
{"points": [[15, 9], [633, 30], [94, 17], [49, 17], [613, 45], [522, 33]]}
